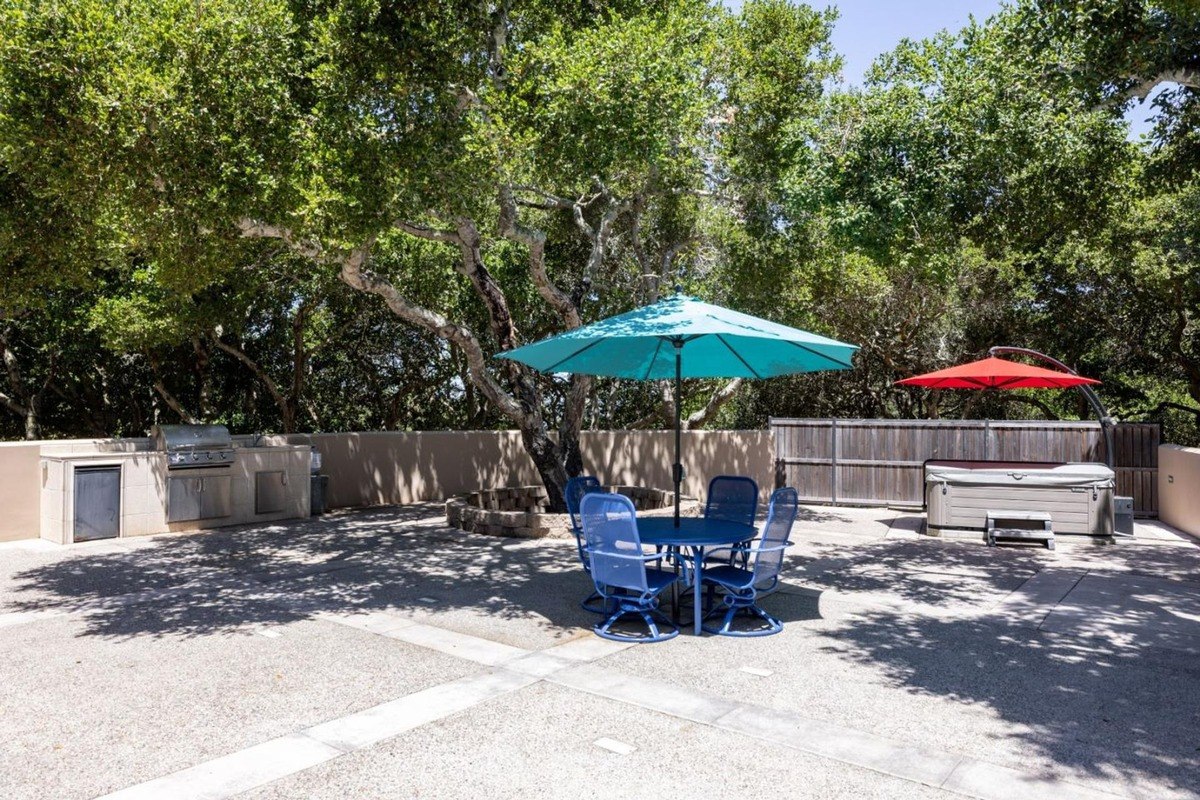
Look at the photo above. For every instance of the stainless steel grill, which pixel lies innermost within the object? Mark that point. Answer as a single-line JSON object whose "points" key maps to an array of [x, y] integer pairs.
{"points": [[192, 446]]}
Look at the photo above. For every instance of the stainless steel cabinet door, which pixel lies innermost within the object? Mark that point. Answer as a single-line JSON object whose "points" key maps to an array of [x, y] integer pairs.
{"points": [[197, 497], [183, 498], [214, 497], [97, 503], [270, 492]]}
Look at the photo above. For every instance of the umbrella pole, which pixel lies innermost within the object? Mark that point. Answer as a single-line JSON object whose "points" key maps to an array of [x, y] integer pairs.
{"points": [[677, 468]]}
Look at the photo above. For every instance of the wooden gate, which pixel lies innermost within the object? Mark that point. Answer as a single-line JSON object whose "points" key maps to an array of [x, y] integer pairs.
{"points": [[881, 461]]}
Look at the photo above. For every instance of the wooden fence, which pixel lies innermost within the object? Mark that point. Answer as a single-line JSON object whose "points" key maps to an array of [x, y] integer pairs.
{"points": [[880, 461]]}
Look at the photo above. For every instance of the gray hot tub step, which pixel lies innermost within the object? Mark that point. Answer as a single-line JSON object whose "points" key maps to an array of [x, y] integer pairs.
{"points": [[1024, 525]]}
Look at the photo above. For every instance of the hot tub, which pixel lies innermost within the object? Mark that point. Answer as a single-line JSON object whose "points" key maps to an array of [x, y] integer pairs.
{"points": [[1078, 497]]}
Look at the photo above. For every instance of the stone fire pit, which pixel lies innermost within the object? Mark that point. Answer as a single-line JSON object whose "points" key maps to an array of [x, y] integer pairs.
{"points": [[521, 511]]}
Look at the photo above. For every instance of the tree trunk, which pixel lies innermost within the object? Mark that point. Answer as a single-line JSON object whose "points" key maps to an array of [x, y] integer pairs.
{"points": [[27, 410], [33, 430]]}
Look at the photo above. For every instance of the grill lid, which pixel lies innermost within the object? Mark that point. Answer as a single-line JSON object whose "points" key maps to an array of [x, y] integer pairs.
{"points": [[170, 438]]}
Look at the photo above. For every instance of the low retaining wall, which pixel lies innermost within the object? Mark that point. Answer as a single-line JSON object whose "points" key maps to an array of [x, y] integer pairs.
{"points": [[520, 511]]}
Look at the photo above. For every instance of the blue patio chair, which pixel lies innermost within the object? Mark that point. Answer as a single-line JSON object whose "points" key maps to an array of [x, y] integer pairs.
{"points": [[619, 567], [732, 498], [576, 489], [743, 587]]}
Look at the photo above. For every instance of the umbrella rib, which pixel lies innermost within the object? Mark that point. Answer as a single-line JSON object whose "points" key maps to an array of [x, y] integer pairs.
{"points": [[738, 356], [653, 358], [556, 364], [819, 354]]}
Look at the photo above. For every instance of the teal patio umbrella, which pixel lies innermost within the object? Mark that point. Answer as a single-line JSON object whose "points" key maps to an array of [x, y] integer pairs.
{"points": [[683, 337]]}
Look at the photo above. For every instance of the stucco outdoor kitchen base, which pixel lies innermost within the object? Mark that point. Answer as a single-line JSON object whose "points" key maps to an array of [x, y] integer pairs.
{"points": [[519, 511], [145, 485]]}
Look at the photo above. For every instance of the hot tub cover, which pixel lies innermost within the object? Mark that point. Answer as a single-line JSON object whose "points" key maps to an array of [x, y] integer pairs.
{"points": [[1013, 473]]}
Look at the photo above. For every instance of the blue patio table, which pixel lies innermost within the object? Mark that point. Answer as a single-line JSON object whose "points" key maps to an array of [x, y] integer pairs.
{"points": [[695, 533]]}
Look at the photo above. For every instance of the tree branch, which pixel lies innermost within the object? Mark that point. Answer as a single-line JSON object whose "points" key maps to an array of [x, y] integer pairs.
{"points": [[511, 228], [548, 200], [11, 366], [171, 400], [12, 405], [355, 274], [253, 229], [259, 372], [1186, 75], [1029, 401], [425, 232], [719, 398], [1163, 406]]}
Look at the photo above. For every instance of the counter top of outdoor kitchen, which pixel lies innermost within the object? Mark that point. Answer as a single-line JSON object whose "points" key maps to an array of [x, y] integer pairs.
{"points": [[110, 455]]}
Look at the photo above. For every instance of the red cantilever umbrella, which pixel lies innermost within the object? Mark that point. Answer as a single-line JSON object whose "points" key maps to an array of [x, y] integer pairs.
{"points": [[997, 373]]}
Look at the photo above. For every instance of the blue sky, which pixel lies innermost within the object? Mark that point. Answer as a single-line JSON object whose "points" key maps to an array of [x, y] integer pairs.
{"points": [[867, 28]]}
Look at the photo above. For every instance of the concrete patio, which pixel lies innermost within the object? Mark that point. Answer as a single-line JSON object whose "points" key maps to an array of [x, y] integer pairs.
{"points": [[378, 654]]}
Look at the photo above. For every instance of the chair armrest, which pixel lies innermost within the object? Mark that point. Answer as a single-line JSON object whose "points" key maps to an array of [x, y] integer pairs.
{"points": [[773, 548], [729, 549], [643, 557], [685, 564]]}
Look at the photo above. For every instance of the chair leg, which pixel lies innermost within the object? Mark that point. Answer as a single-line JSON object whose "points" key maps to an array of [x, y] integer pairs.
{"points": [[726, 628], [603, 630], [775, 626], [730, 613], [650, 624], [657, 637]]}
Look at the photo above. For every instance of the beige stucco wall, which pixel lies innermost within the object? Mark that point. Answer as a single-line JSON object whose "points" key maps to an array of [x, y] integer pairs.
{"points": [[20, 490], [644, 458], [381, 468], [1179, 487]]}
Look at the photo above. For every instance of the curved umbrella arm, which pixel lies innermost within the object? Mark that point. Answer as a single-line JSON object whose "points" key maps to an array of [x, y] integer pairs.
{"points": [[1106, 422]]}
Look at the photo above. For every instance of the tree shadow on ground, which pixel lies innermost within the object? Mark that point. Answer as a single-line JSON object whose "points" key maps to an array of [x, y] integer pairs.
{"points": [[1102, 688], [394, 558], [388, 558], [1119, 708], [924, 571], [1122, 712]]}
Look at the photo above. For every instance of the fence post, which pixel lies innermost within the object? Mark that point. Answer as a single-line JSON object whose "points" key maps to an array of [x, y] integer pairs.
{"points": [[987, 440], [833, 451]]}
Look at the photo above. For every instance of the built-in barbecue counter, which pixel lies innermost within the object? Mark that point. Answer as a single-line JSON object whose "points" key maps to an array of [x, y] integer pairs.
{"points": [[182, 478]]}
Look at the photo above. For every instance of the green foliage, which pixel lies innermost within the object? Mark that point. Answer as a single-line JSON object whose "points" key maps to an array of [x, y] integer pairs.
{"points": [[979, 190]]}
